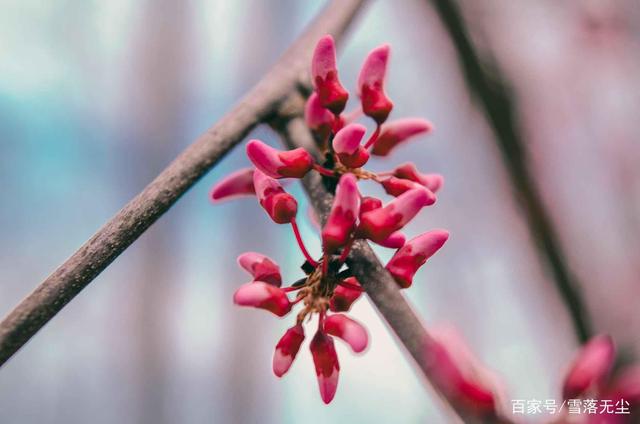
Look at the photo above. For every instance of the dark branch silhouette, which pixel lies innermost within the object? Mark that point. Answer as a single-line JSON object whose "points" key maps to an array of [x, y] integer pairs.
{"points": [[492, 92]]}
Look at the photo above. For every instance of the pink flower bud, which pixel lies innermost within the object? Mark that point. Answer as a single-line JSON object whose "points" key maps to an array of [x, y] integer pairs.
{"points": [[460, 374], [279, 164], [261, 267], [344, 296], [264, 296], [398, 131], [369, 203], [394, 241], [626, 386], [318, 118], [408, 171], [345, 328], [591, 366], [237, 184], [396, 186], [324, 76], [346, 144], [409, 258], [280, 205], [325, 360], [344, 213], [375, 102], [378, 224], [287, 349]]}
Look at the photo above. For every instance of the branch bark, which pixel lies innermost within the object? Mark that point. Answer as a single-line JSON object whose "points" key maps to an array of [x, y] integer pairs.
{"points": [[366, 267], [491, 91], [138, 215]]}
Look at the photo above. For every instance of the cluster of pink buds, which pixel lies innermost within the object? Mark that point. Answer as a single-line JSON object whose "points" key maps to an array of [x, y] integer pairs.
{"points": [[593, 376], [328, 288]]}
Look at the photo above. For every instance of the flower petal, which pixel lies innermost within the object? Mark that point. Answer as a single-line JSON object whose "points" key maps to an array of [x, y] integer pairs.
{"points": [[279, 164], [261, 268], [326, 363], [264, 296], [396, 186], [287, 349], [591, 366], [344, 295], [460, 374], [394, 241], [346, 144], [279, 205], [399, 131], [236, 184], [317, 117], [324, 76], [344, 213], [347, 329], [348, 139], [410, 257], [369, 203], [375, 102], [378, 224], [408, 171]]}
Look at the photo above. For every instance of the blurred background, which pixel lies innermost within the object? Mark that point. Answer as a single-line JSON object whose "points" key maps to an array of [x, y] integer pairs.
{"points": [[97, 97]]}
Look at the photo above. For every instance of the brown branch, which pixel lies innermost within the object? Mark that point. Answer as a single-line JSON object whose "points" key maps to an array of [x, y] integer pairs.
{"points": [[491, 90], [366, 267], [128, 224]]}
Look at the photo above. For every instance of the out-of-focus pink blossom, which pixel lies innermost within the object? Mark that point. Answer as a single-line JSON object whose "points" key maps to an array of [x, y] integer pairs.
{"points": [[626, 385], [378, 224], [590, 367], [410, 257], [279, 164], [375, 102], [325, 360], [261, 268], [344, 213], [279, 205], [399, 131], [460, 374], [344, 295], [324, 76], [264, 296], [287, 349], [346, 144], [347, 329], [236, 184]]}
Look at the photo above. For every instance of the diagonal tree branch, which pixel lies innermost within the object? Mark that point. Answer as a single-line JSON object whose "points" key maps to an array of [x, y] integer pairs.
{"points": [[491, 90], [128, 224], [366, 267]]}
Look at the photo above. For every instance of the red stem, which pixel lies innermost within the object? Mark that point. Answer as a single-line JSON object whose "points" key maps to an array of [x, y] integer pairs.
{"points": [[345, 251], [323, 171], [290, 289], [306, 254], [373, 137]]}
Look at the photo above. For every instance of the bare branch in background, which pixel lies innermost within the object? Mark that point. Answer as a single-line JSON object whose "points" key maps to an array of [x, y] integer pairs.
{"points": [[128, 224], [366, 267], [491, 91]]}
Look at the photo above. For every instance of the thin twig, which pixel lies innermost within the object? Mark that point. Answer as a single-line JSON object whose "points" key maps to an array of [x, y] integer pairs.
{"points": [[366, 267], [491, 90], [128, 224]]}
